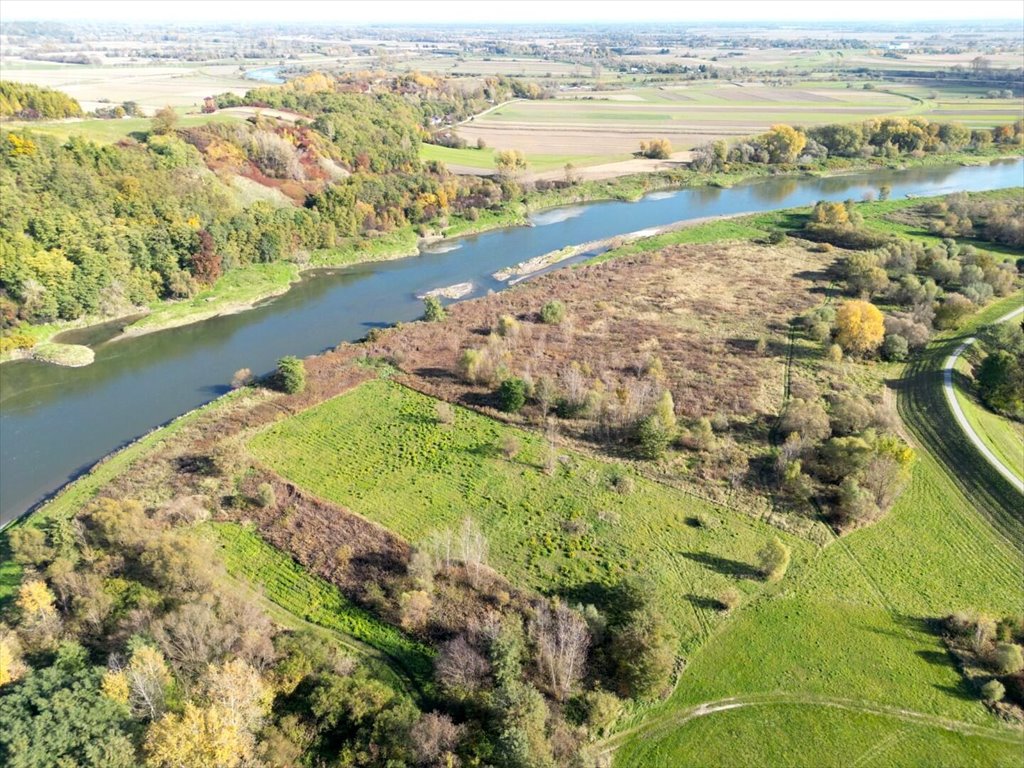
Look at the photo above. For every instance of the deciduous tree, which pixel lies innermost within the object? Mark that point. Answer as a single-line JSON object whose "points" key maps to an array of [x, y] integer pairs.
{"points": [[860, 327]]}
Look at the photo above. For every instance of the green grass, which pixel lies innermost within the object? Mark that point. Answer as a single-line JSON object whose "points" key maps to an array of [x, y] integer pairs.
{"points": [[307, 596], [379, 451], [484, 158], [859, 621], [109, 131], [923, 408], [1004, 437], [238, 289], [809, 736], [474, 158]]}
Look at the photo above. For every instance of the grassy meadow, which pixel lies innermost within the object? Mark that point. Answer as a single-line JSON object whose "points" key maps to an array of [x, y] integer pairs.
{"points": [[380, 451]]}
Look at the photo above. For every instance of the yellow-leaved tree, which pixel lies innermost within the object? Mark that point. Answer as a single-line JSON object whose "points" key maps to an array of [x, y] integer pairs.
{"points": [[239, 690], [784, 143], [11, 666], [198, 738], [36, 602], [860, 326]]}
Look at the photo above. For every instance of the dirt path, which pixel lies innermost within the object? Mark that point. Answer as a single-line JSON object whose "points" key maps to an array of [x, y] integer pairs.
{"points": [[654, 727], [961, 418]]}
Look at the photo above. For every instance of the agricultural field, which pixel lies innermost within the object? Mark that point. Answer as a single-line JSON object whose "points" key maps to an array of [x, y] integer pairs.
{"points": [[694, 113], [381, 451], [110, 131], [483, 161], [152, 87]]}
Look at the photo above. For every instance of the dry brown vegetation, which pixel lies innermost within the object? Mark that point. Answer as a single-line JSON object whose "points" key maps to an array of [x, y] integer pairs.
{"points": [[699, 310]]}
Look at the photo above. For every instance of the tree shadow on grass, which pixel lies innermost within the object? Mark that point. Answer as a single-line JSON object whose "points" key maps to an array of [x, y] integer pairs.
{"points": [[962, 690], [724, 565], [437, 374], [707, 603], [938, 658], [614, 600]]}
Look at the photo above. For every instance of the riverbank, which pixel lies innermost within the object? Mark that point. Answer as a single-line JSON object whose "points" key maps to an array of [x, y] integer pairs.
{"points": [[246, 287]]}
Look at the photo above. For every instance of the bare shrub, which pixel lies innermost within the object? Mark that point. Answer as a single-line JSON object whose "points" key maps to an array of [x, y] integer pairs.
{"points": [[561, 638], [243, 378], [444, 413]]}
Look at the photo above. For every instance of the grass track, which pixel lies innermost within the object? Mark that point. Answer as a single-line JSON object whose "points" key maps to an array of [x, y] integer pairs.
{"points": [[1005, 438], [777, 732]]}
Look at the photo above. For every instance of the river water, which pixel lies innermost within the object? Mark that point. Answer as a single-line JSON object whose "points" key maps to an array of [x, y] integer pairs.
{"points": [[56, 422]]}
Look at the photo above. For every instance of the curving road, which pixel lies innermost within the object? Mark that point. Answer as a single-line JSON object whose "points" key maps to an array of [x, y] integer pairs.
{"points": [[958, 413]]}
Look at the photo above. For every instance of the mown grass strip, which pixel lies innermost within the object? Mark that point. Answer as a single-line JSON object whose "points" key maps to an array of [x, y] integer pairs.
{"points": [[315, 600]]}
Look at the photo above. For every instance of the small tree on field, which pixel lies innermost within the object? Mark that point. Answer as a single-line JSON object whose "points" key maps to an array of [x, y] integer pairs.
{"points": [[265, 496], [508, 326], [164, 120], [510, 162], [656, 431], [993, 691], [512, 395], [444, 412], [656, 149], [433, 310], [290, 376], [729, 598], [773, 560], [552, 313], [510, 447]]}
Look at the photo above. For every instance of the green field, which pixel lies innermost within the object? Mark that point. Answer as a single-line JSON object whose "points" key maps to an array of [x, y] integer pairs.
{"points": [[109, 131], [310, 598], [483, 159], [779, 734], [857, 624], [380, 451]]}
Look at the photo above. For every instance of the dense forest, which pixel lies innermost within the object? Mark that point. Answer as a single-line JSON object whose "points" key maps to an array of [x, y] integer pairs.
{"points": [[33, 102], [94, 229]]}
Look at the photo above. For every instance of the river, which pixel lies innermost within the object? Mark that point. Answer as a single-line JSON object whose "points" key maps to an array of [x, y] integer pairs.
{"points": [[56, 422]]}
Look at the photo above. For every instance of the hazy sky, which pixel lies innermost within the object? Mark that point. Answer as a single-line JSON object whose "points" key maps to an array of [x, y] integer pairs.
{"points": [[474, 11]]}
